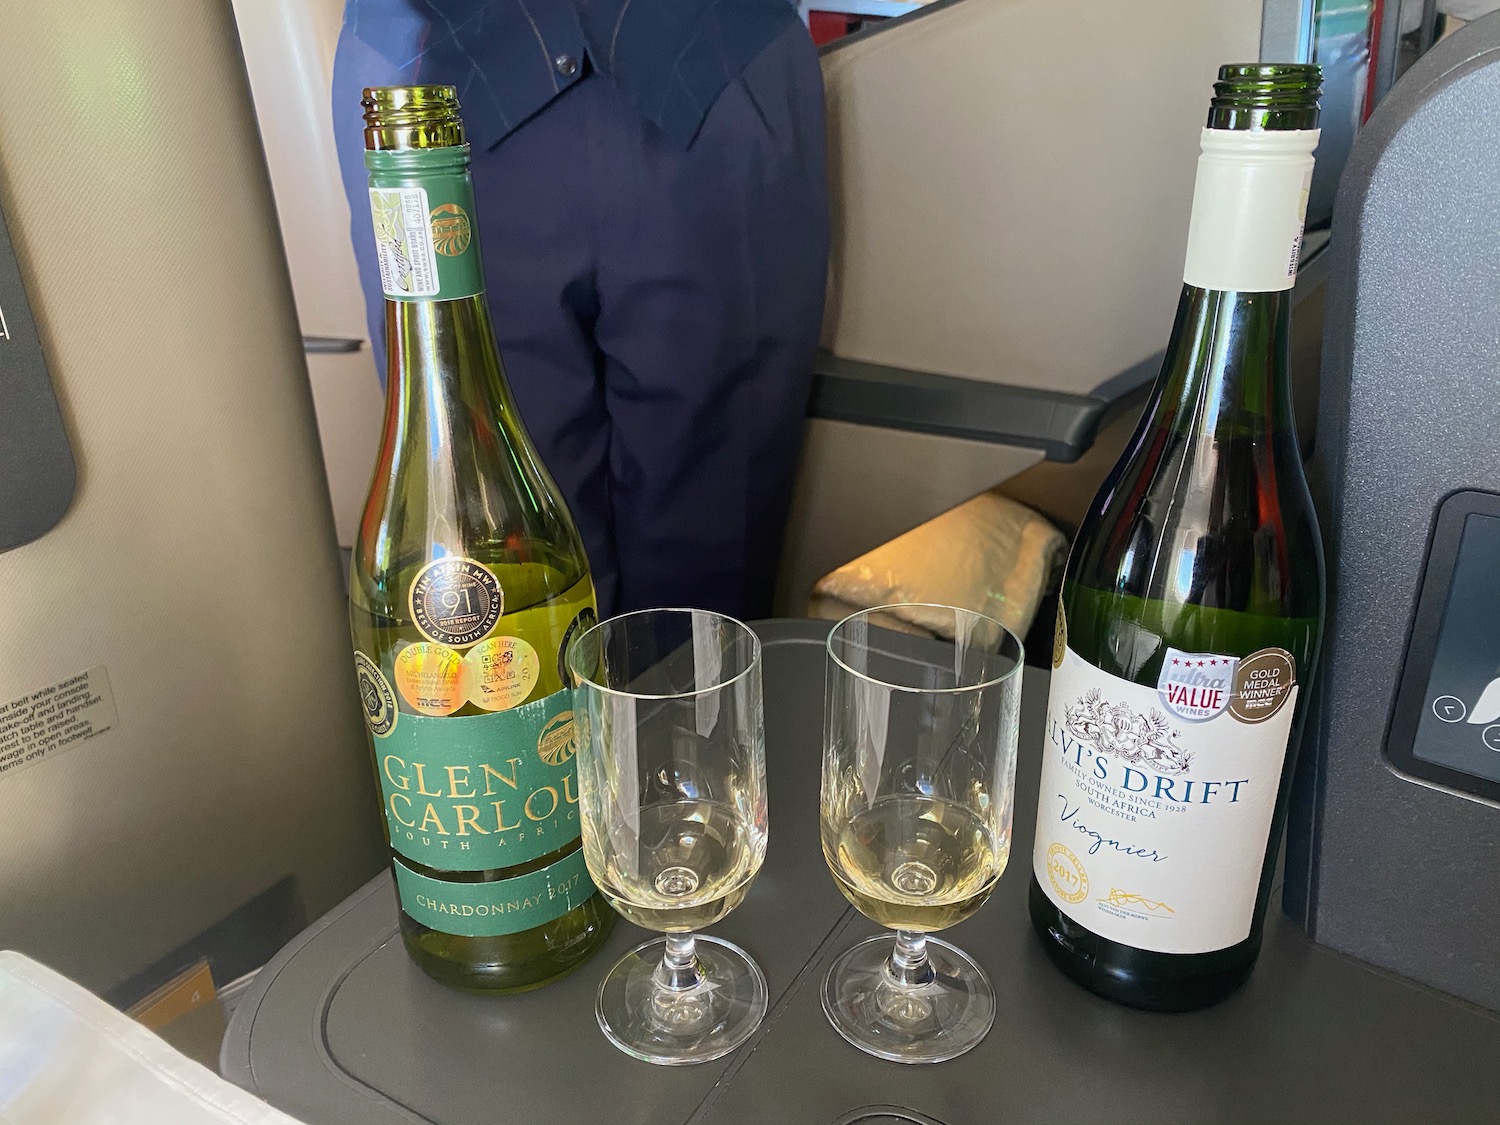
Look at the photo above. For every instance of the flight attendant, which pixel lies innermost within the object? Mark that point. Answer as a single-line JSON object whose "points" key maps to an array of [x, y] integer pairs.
{"points": [[649, 177]]}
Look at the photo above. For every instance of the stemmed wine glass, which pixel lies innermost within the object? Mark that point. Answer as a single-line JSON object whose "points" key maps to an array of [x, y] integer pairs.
{"points": [[918, 778], [672, 792]]}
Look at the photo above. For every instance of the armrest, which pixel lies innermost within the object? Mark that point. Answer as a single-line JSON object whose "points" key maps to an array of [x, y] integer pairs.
{"points": [[1061, 425]]}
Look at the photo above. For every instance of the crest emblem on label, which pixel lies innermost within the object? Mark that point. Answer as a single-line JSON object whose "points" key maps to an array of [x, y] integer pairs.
{"points": [[1196, 686], [456, 601], [451, 233], [558, 741], [376, 696]]}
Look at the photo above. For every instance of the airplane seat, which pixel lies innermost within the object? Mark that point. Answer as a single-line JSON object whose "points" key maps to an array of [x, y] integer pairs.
{"points": [[1010, 182], [184, 774]]}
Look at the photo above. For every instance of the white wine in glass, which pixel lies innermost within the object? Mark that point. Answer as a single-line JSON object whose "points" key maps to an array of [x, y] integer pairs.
{"points": [[916, 863], [918, 784], [672, 792], [694, 864]]}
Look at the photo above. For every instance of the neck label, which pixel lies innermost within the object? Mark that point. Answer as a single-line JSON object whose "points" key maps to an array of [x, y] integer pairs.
{"points": [[403, 242], [422, 207], [1249, 205]]}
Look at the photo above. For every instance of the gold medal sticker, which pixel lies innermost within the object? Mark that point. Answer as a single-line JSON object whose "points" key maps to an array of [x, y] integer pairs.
{"points": [[431, 678], [502, 673]]}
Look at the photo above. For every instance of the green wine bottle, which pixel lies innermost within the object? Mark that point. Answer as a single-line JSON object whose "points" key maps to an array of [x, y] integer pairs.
{"points": [[1192, 604], [468, 582]]}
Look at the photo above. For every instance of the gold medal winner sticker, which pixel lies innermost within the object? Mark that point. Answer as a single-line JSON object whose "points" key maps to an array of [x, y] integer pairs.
{"points": [[456, 601], [1263, 682], [431, 678], [376, 695], [502, 673]]}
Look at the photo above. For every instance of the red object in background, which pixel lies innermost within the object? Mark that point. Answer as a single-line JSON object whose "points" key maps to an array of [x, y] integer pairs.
{"points": [[827, 26], [1377, 14]]}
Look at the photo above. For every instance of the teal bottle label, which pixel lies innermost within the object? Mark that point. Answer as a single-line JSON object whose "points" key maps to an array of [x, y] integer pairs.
{"points": [[422, 204], [479, 792], [506, 906]]}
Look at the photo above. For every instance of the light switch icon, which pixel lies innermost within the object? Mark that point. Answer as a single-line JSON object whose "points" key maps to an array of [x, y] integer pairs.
{"points": [[1487, 709]]}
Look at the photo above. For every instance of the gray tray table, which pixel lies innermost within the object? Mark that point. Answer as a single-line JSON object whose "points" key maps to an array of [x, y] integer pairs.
{"points": [[340, 1029]]}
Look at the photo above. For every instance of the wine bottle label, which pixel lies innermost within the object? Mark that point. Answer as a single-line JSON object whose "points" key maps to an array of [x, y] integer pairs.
{"points": [[1249, 206], [1155, 804], [403, 242], [504, 906], [480, 792], [421, 202]]}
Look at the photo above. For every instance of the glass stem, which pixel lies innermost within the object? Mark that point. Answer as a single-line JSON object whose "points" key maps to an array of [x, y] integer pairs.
{"points": [[678, 971], [909, 966]]}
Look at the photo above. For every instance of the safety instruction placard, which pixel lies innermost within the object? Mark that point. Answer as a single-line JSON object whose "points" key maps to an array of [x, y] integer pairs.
{"points": [[54, 718]]}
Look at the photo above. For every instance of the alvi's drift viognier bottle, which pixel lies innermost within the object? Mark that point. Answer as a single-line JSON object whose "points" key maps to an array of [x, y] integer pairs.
{"points": [[1192, 604], [468, 582]]}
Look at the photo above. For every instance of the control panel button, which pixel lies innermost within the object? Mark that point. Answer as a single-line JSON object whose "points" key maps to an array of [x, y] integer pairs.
{"points": [[1449, 708], [1491, 736]]}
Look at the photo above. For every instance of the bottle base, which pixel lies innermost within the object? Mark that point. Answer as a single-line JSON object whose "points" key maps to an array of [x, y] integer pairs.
{"points": [[1105, 969], [510, 963]]}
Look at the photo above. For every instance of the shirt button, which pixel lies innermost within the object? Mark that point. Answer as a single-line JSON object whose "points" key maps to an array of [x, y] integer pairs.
{"points": [[566, 65]]}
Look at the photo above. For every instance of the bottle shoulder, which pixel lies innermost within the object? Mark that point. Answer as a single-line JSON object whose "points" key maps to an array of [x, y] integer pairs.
{"points": [[1199, 549]]}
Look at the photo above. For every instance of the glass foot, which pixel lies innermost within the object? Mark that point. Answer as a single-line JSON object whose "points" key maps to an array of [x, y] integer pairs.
{"points": [[934, 1020], [674, 1026]]}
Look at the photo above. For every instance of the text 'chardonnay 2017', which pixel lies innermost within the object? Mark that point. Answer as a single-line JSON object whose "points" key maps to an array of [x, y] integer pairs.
{"points": [[468, 582], [1192, 604]]}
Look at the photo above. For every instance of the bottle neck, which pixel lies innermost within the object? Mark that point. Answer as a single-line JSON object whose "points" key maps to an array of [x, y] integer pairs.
{"points": [[1226, 366], [447, 404], [443, 374], [1249, 203], [1226, 369]]}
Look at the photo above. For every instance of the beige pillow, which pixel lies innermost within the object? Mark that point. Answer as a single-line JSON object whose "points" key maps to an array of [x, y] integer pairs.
{"points": [[989, 554]]}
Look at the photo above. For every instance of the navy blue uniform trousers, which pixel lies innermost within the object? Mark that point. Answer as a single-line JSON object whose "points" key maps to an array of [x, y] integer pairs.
{"points": [[657, 308]]}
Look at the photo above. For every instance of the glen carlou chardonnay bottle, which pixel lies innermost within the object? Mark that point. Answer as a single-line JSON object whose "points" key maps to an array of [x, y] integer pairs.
{"points": [[1192, 604], [469, 581]]}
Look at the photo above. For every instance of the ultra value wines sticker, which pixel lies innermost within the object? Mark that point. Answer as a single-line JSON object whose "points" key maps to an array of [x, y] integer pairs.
{"points": [[1196, 686]]}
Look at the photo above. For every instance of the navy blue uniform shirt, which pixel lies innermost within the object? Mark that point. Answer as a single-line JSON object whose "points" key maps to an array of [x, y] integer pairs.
{"points": [[670, 59]]}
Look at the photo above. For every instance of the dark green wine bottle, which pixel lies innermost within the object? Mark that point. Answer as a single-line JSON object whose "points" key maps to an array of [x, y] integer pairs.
{"points": [[468, 582], [1192, 604]]}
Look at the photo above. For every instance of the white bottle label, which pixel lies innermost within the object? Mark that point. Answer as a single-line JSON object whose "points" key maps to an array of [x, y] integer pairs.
{"points": [[1155, 804], [1249, 204], [403, 242]]}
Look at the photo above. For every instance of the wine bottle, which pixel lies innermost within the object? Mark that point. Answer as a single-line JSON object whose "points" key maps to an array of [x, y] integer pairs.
{"points": [[1192, 604], [468, 582]]}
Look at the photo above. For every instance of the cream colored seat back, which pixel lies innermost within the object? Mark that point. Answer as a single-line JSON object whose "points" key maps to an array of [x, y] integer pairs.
{"points": [[195, 578], [1010, 184]]}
